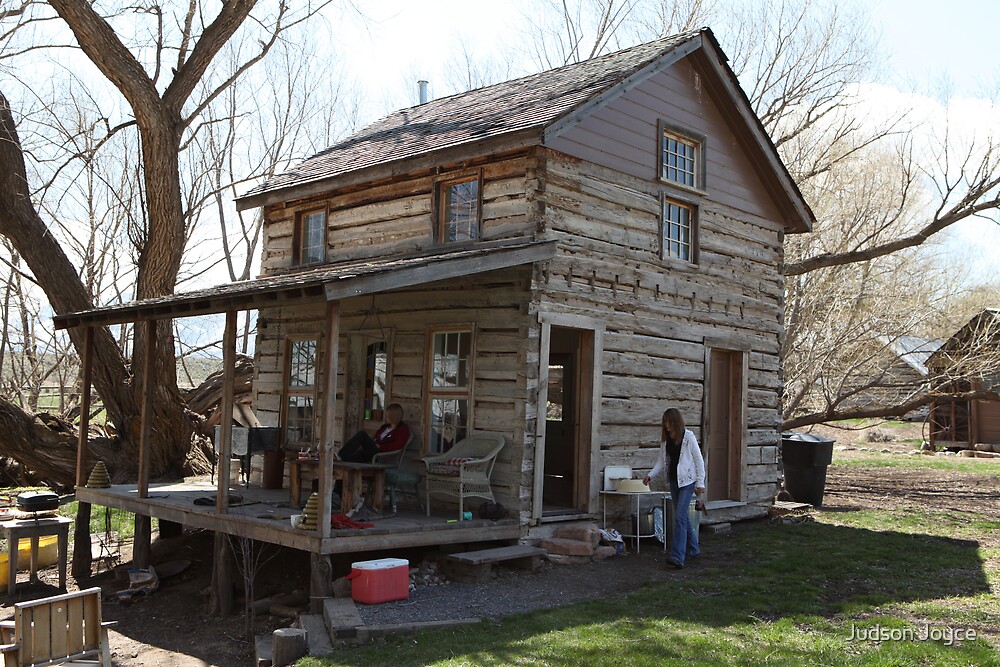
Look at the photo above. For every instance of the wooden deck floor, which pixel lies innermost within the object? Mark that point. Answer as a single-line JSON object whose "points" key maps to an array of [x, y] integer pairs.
{"points": [[265, 515]]}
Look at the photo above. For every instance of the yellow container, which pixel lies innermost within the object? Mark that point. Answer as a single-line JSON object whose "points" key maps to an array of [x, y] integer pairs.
{"points": [[48, 554]]}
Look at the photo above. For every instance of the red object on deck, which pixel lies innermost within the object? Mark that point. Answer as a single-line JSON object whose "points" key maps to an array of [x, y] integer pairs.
{"points": [[382, 580]]}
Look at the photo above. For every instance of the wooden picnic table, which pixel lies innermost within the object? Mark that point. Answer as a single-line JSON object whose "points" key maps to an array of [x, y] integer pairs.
{"points": [[351, 475]]}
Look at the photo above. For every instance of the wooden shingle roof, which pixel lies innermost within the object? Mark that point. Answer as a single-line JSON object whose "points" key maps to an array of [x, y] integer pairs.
{"points": [[529, 103]]}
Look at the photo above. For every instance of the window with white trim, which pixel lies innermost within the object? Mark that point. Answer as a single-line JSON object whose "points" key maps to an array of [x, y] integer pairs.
{"points": [[300, 391], [680, 231], [449, 389], [459, 210], [310, 238], [682, 160]]}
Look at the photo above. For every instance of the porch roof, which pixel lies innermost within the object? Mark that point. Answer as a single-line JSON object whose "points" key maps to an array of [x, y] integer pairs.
{"points": [[330, 282]]}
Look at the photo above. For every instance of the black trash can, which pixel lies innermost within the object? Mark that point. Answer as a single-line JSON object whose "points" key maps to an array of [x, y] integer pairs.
{"points": [[805, 458]]}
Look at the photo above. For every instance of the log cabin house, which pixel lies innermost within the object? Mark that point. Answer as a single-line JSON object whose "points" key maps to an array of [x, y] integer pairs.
{"points": [[556, 259], [970, 360]]}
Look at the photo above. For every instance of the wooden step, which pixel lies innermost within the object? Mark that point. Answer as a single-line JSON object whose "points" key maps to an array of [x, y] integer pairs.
{"points": [[343, 620], [497, 555], [317, 634]]}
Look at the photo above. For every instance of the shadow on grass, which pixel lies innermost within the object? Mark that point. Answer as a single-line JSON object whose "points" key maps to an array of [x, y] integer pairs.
{"points": [[787, 594]]}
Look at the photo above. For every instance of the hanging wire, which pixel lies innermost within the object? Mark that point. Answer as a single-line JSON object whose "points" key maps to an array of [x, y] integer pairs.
{"points": [[373, 312]]}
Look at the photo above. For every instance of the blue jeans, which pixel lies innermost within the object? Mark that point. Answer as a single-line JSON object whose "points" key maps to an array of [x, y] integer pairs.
{"points": [[685, 540]]}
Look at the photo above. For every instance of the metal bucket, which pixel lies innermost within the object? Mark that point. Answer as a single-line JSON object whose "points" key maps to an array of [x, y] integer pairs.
{"points": [[646, 522]]}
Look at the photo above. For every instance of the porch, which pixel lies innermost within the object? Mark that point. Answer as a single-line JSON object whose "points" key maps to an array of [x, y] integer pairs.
{"points": [[265, 515]]}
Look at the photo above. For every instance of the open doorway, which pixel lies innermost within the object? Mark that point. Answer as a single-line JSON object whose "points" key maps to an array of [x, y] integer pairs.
{"points": [[724, 432], [566, 482]]}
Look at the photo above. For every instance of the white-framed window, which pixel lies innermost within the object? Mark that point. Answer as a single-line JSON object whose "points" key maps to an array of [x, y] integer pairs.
{"points": [[459, 207], [449, 388], [682, 158], [376, 380], [310, 238], [301, 355], [679, 237]]}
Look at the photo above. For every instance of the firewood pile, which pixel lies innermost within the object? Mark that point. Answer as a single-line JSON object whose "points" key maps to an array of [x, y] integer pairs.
{"points": [[205, 398]]}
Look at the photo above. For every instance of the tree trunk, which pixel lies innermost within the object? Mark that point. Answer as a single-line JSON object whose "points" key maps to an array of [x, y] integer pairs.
{"points": [[46, 450], [120, 390]]}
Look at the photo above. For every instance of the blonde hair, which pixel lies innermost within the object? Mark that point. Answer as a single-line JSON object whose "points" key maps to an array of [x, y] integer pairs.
{"points": [[673, 417], [396, 409]]}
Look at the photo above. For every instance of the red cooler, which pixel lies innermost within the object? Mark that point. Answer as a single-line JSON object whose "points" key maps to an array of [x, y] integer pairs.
{"points": [[382, 580]]}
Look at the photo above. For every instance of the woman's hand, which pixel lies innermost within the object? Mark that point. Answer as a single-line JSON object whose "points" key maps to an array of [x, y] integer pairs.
{"points": [[698, 490], [645, 480]]}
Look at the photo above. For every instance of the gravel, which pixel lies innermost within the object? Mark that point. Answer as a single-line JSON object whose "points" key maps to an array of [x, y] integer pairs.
{"points": [[514, 591]]}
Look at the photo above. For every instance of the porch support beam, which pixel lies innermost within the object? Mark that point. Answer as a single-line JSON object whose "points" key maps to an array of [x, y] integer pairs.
{"points": [[222, 583], [327, 427], [142, 541], [82, 558], [226, 410]]}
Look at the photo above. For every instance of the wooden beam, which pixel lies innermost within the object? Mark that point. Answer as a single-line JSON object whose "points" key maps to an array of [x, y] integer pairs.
{"points": [[538, 481], [226, 409], [146, 420], [327, 427], [82, 558], [433, 271]]}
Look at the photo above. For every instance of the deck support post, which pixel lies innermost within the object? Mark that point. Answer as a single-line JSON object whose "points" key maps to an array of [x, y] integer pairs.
{"points": [[320, 581], [142, 542], [222, 581], [82, 559]]}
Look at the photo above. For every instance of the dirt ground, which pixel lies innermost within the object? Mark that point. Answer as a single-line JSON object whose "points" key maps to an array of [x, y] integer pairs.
{"points": [[172, 627]]}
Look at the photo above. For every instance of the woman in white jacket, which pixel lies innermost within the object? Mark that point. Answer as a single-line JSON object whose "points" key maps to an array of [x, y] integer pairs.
{"points": [[680, 457]]}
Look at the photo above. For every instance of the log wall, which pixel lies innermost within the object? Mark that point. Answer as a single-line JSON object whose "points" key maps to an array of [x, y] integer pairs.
{"points": [[662, 315], [491, 305], [397, 217]]}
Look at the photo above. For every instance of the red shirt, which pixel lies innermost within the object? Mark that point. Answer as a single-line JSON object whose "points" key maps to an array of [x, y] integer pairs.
{"points": [[390, 439]]}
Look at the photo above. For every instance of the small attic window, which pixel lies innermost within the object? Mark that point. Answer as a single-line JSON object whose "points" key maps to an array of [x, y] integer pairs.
{"points": [[459, 208], [310, 237], [682, 157]]}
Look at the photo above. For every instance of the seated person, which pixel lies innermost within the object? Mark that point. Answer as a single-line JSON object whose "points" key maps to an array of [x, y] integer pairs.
{"points": [[390, 437]]}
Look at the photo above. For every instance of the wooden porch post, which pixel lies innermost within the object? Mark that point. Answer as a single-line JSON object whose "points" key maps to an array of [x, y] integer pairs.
{"points": [[226, 410], [82, 559], [327, 428], [222, 581], [143, 524], [320, 579]]}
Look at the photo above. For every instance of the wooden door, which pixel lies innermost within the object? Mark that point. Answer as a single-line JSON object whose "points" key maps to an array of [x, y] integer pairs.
{"points": [[724, 429], [569, 401]]}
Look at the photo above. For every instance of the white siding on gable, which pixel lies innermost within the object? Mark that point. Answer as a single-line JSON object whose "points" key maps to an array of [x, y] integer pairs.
{"points": [[624, 135]]}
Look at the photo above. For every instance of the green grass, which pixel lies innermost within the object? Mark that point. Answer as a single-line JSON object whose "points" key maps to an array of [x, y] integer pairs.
{"points": [[775, 595], [989, 467]]}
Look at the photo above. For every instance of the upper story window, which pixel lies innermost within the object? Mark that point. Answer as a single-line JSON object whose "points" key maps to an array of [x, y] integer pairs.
{"points": [[682, 158], [680, 231], [310, 237], [459, 209]]}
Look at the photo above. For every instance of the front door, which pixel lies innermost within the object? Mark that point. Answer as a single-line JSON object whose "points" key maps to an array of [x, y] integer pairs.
{"points": [[724, 435]]}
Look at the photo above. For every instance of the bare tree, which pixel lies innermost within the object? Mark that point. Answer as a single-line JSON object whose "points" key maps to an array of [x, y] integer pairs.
{"points": [[168, 83], [881, 185]]}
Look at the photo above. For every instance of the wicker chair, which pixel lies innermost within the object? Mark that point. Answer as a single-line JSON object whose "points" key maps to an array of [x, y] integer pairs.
{"points": [[464, 470]]}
